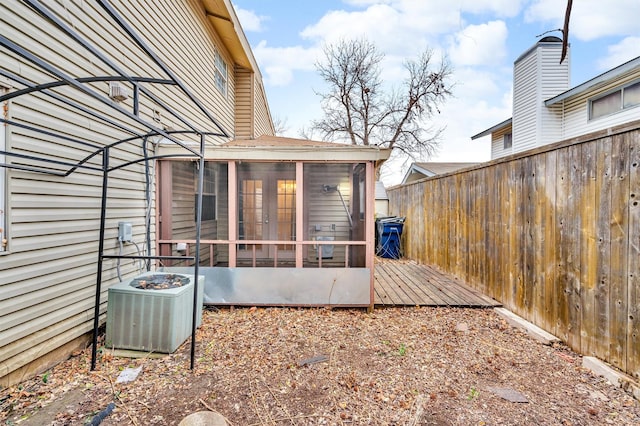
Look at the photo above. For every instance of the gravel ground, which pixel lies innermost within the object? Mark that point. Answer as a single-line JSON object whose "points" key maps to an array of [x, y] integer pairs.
{"points": [[395, 366]]}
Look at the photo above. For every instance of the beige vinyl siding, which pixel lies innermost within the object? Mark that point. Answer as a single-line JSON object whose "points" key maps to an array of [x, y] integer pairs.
{"points": [[48, 272], [263, 121], [577, 110], [244, 104], [184, 180], [325, 209]]}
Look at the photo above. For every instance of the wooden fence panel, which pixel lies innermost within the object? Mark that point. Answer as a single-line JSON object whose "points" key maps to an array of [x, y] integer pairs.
{"points": [[574, 228], [588, 249], [633, 334], [618, 302], [603, 261], [550, 252], [563, 190], [553, 234]]}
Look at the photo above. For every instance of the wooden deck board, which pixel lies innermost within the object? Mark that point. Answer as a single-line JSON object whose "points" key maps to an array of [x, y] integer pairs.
{"points": [[401, 282], [394, 287]]}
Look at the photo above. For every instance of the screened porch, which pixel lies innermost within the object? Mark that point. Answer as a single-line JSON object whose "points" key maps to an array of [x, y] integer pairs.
{"points": [[282, 224]]}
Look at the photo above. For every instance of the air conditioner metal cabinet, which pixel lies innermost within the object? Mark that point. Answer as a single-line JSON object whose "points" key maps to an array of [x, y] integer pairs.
{"points": [[151, 320]]}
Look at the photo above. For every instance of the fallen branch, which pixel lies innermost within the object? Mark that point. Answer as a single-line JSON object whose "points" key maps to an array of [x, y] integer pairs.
{"points": [[419, 410], [279, 404], [310, 416], [255, 404]]}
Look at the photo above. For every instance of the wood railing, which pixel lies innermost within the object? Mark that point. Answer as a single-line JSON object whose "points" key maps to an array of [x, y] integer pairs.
{"points": [[553, 234], [210, 257]]}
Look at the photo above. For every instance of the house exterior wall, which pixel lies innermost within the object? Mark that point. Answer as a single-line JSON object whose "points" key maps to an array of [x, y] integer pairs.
{"points": [[244, 104], [325, 210], [263, 122], [525, 100], [554, 79], [497, 143], [576, 115], [538, 75], [48, 274]]}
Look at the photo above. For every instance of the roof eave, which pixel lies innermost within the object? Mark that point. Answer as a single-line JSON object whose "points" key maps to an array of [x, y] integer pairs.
{"points": [[305, 153], [596, 81], [226, 23], [506, 123]]}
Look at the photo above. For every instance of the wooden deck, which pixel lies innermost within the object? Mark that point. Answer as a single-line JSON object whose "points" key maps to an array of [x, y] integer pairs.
{"points": [[406, 283]]}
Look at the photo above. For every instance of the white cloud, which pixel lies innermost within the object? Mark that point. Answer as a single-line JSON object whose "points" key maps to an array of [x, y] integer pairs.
{"points": [[376, 23], [483, 44], [279, 63], [590, 19], [502, 8], [620, 53], [249, 20]]}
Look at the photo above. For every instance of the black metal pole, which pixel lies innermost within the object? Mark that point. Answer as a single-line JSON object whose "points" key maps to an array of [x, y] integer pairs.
{"points": [[103, 216], [197, 254]]}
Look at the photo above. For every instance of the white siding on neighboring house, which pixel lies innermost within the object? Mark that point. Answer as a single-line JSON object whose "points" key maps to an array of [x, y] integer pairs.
{"points": [[524, 101], [538, 75], [49, 270], [577, 110], [497, 143], [554, 79]]}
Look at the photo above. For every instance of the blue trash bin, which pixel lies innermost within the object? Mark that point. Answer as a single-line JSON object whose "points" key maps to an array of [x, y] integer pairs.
{"points": [[389, 231]]}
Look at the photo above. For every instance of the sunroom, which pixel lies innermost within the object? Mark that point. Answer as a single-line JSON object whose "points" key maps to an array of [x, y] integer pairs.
{"points": [[285, 222]]}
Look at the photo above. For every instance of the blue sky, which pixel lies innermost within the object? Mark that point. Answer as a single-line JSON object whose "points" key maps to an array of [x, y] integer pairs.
{"points": [[480, 38]]}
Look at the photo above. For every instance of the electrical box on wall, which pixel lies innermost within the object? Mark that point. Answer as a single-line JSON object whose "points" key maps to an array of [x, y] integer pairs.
{"points": [[125, 232]]}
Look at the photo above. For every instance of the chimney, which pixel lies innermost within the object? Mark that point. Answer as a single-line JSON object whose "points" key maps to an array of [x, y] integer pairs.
{"points": [[537, 76]]}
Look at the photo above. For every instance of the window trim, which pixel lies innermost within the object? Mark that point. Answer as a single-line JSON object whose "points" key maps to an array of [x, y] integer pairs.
{"points": [[622, 108], [209, 193], [504, 140]]}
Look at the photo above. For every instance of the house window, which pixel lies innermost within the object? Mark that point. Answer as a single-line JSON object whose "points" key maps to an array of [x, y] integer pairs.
{"points": [[220, 73], [631, 95], [612, 102], [209, 193], [507, 141]]}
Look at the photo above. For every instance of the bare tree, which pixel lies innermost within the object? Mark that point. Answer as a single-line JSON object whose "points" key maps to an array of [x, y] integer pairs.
{"points": [[358, 108], [281, 125]]}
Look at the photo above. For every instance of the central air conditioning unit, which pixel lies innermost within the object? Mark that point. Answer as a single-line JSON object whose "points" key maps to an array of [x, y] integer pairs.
{"points": [[152, 312]]}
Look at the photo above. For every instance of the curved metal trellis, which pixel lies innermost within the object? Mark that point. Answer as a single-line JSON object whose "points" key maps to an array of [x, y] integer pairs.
{"points": [[82, 84]]}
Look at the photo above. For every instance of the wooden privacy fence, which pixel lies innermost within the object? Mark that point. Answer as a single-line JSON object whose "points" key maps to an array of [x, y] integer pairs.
{"points": [[553, 234]]}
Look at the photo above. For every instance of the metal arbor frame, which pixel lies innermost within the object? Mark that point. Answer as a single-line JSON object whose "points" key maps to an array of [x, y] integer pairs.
{"points": [[82, 84]]}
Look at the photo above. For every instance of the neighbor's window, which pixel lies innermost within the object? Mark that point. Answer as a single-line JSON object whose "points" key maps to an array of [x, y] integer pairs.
{"points": [[507, 141], [220, 73], [618, 100], [631, 95]]}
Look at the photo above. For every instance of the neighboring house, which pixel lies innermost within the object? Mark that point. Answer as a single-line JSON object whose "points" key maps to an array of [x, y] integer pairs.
{"points": [[188, 67], [382, 200], [419, 171], [547, 110]]}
